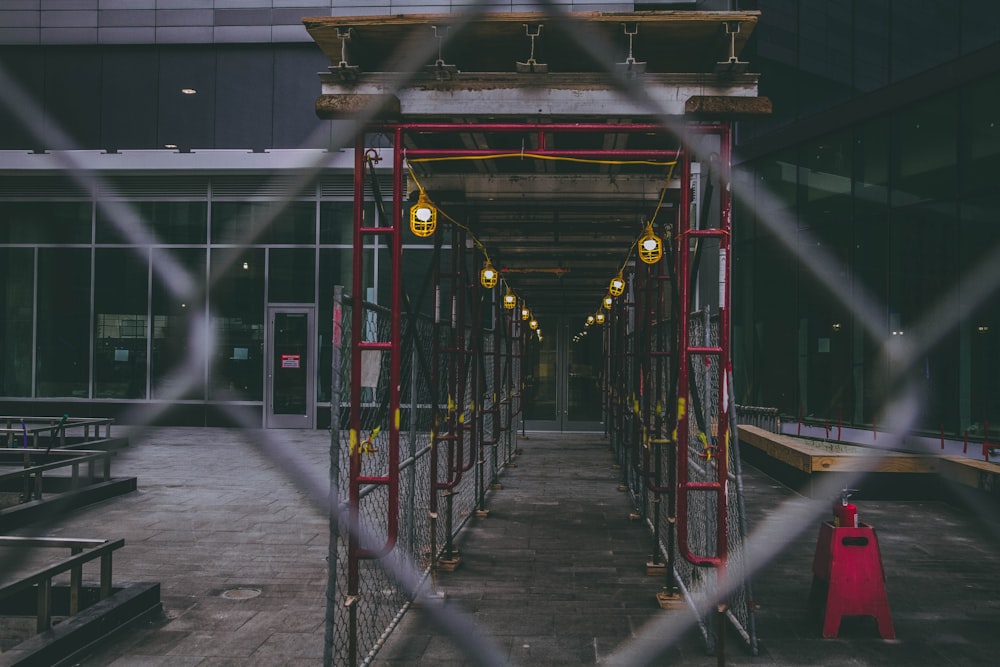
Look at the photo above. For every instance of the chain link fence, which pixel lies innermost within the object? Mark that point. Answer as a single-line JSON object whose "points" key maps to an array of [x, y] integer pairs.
{"points": [[361, 616]]}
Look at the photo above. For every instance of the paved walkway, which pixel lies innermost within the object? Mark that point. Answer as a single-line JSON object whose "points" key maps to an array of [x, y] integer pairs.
{"points": [[555, 574]]}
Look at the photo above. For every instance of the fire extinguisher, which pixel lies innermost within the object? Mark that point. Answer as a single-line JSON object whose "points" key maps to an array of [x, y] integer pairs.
{"points": [[845, 514]]}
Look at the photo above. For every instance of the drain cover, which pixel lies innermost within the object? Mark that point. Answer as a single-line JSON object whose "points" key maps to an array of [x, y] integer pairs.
{"points": [[241, 593]]}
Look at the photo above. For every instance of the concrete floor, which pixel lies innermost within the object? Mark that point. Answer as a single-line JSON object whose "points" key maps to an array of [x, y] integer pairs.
{"points": [[555, 574]]}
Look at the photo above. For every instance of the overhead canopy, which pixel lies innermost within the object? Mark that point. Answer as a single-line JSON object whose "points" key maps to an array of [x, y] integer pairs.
{"points": [[560, 211]]}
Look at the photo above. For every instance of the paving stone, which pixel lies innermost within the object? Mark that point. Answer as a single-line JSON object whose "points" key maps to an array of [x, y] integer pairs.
{"points": [[555, 575]]}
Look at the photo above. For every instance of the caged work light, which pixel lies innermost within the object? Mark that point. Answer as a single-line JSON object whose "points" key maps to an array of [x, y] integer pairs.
{"points": [[617, 287], [533, 324], [423, 216], [509, 300], [525, 313], [650, 246], [488, 276], [608, 301], [590, 320], [599, 318]]}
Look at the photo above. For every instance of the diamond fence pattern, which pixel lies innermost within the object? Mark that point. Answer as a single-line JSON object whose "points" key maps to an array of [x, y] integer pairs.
{"points": [[384, 591], [354, 636]]}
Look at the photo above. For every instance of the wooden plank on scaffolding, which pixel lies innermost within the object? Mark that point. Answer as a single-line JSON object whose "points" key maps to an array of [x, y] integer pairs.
{"points": [[833, 457], [971, 473]]}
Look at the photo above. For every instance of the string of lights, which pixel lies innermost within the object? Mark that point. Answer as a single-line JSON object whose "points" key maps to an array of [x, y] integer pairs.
{"points": [[423, 223]]}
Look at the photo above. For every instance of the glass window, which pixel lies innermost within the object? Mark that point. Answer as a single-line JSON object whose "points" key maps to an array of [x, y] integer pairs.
{"points": [[825, 231], [980, 136], [979, 24], [121, 286], [775, 283], [73, 73], [45, 222], [183, 222], [331, 274], [870, 262], [777, 55], [17, 277], [264, 223], [825, 179], [980, 236], [335, 222], [924, 34], [186, 119], [26, 67], [63, 343], [236, 298], [871, 168], [294, 224], [246, 97], [176, 371], [128, 97], [824, 53], [923, 261], [291, 275], [540, 378], [295, 122], [776, 193], [418, 267], [334, 269], [925, 151], [871, 45]]}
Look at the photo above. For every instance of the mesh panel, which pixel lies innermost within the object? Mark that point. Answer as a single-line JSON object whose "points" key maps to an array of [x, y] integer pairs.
{"points": [[380, 598]]}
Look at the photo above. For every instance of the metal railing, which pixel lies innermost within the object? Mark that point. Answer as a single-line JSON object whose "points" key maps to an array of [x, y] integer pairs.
{"points": [[32, 472], [53, 429], [765, 418], [83, 551]]}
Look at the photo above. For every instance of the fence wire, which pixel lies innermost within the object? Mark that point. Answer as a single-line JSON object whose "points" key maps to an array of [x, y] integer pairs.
{"points": [[384, 592], [381, 597]]}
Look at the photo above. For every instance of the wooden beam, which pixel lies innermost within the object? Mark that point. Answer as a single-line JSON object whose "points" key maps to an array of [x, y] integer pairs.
{"points": [[727, 106]]}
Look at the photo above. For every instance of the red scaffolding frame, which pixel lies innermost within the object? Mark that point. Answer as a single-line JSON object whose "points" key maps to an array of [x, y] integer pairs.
{"points": [[452, 430]]}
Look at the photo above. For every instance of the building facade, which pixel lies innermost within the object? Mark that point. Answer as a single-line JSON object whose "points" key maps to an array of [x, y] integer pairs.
{"points": [[876, 171], [196, 118]]}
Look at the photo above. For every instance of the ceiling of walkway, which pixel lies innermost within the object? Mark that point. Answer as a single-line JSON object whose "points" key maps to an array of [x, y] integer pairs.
{"points": [[557, 228]]}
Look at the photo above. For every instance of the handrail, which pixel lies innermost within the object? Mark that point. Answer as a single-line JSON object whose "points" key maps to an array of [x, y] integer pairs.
{"points": [[73, 459], [14, 427], [96, 549]]}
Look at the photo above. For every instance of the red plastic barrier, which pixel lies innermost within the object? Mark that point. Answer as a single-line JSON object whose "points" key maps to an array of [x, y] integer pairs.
{"points": [[848, 578]]}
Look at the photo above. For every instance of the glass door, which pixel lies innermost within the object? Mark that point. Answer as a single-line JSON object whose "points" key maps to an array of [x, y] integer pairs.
{"points": [[562, 381], [584, 379], [290, 387]]}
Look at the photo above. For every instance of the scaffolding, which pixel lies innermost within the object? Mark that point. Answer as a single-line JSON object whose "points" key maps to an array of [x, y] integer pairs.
{"points": [[439, 375]]}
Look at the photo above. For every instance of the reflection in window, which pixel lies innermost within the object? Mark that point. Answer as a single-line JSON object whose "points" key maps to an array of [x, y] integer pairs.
{"points": [[980, 332], [45, 222], [925, 151], [264, 222], [237, 317], [336, 222], [180, 222], [980, 136], [291, 275], [120, 300], [175, 371], [540, 378], [332, 265], [17, 270], [924, 34], [63, 345]]}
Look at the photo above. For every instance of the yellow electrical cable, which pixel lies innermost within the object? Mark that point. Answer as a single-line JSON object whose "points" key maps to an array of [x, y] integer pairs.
{"points": [[536, 156], [672, 164]]}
